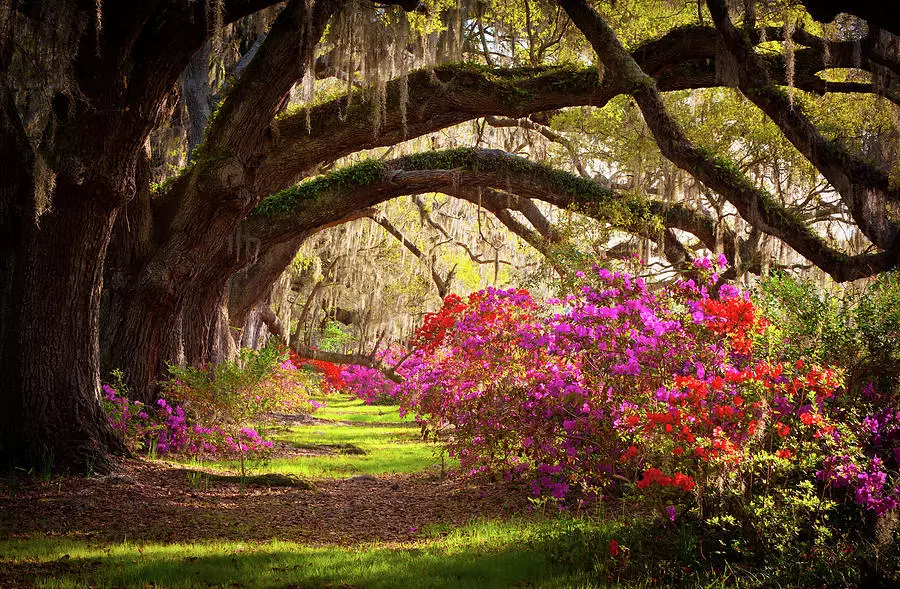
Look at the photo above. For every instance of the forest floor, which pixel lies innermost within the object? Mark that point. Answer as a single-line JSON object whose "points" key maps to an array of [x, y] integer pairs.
{"points": [[160, 501], [351, 498]]}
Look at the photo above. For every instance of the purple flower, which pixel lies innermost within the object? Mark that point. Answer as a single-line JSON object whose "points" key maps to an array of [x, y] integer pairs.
{"points": [[703, 263]]}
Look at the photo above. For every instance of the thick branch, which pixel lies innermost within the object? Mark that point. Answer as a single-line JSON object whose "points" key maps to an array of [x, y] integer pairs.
{"points": [[358, 359], [255, 98], [756, 206], [504, 181], [864, 187], [452, 94]]}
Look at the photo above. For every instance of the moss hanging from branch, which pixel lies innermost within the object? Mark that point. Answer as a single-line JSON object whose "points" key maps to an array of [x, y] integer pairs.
{"points": [[215, 23], [789, 65]]}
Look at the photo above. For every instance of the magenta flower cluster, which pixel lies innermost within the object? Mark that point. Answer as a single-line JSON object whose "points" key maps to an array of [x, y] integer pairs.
{"points": [[370, 384], [618, 382], [166, 430]]}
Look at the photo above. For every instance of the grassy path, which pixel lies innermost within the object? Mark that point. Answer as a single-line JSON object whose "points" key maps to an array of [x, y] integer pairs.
{"points": [[348, 438], [376, 514]]}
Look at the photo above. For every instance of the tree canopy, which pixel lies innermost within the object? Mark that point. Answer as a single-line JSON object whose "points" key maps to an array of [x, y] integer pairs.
{"points": [[162, 163]]}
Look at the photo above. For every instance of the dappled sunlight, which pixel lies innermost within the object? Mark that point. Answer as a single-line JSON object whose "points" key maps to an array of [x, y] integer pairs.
{"points": [[353, 294], [277, 564]]}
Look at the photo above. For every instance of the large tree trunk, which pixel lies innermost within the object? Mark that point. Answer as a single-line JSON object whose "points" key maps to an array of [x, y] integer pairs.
{"points": [[148, 336], [207, 339], [54, 405], [51, 265], [16, 204]]}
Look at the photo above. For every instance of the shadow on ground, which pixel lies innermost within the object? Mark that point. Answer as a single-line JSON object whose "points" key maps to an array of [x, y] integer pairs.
{"points": [[275, 565]]}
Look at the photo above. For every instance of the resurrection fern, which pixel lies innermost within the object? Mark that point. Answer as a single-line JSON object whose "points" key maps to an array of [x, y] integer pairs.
{"points": [[283, 202], [622, 210]]}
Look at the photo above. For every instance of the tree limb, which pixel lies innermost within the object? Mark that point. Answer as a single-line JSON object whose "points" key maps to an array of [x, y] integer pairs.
{"points": [[547, 132], [504, 181], [442, 284], [755, 205], [865, 188], [358, 359]]}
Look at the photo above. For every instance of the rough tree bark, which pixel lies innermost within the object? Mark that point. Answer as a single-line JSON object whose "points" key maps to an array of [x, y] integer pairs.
{"points": [[53, 259]]}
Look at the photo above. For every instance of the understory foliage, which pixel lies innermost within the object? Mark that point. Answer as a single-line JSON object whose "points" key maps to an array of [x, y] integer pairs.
{"points": [[212, 411], [684, 398], [370, 384], [330, 372], [756, 424]]}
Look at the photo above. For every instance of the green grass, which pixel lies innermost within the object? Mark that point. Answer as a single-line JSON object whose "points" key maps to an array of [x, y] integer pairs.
{"points": [[549, 552], [360, 450], [346, 408], [482, 555], [362, 440]]}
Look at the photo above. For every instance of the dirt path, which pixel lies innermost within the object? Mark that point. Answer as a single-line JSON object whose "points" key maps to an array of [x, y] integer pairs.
{"points": [[154, 501]]}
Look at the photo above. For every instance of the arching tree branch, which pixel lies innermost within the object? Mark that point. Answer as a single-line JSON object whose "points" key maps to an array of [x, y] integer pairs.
{"points": [[683, 59], [459, 172], [755, 205], [865, 188]]}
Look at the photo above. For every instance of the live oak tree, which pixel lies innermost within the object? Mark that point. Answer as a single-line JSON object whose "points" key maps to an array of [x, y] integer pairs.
{"points": [[86, 85], [107, 74]]}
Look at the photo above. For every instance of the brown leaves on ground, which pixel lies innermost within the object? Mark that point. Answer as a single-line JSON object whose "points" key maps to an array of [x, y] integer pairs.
{"points": [[154, 501]]}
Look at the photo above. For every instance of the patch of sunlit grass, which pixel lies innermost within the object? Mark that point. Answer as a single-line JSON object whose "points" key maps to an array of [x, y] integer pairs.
{"points": [[375, 442], [483, 554], [340, 407]]}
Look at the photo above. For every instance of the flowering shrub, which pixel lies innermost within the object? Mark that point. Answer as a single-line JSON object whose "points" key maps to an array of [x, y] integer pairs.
{"points": [[371, 385], [368, 384], [670, 390], [331, 373], [236, 392], [203, 413], [435, 326], [165, 430]]}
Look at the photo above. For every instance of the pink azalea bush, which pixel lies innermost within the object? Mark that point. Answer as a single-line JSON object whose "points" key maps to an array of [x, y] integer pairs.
{"points": [[675, 395], [368, 384], [203, 413], [371, 385], [165, 429]]}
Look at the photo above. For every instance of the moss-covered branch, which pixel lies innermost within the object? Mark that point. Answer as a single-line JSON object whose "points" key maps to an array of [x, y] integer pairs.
{"points": [[475, 174], [755, 205], [451, 94], [864, 187]]}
